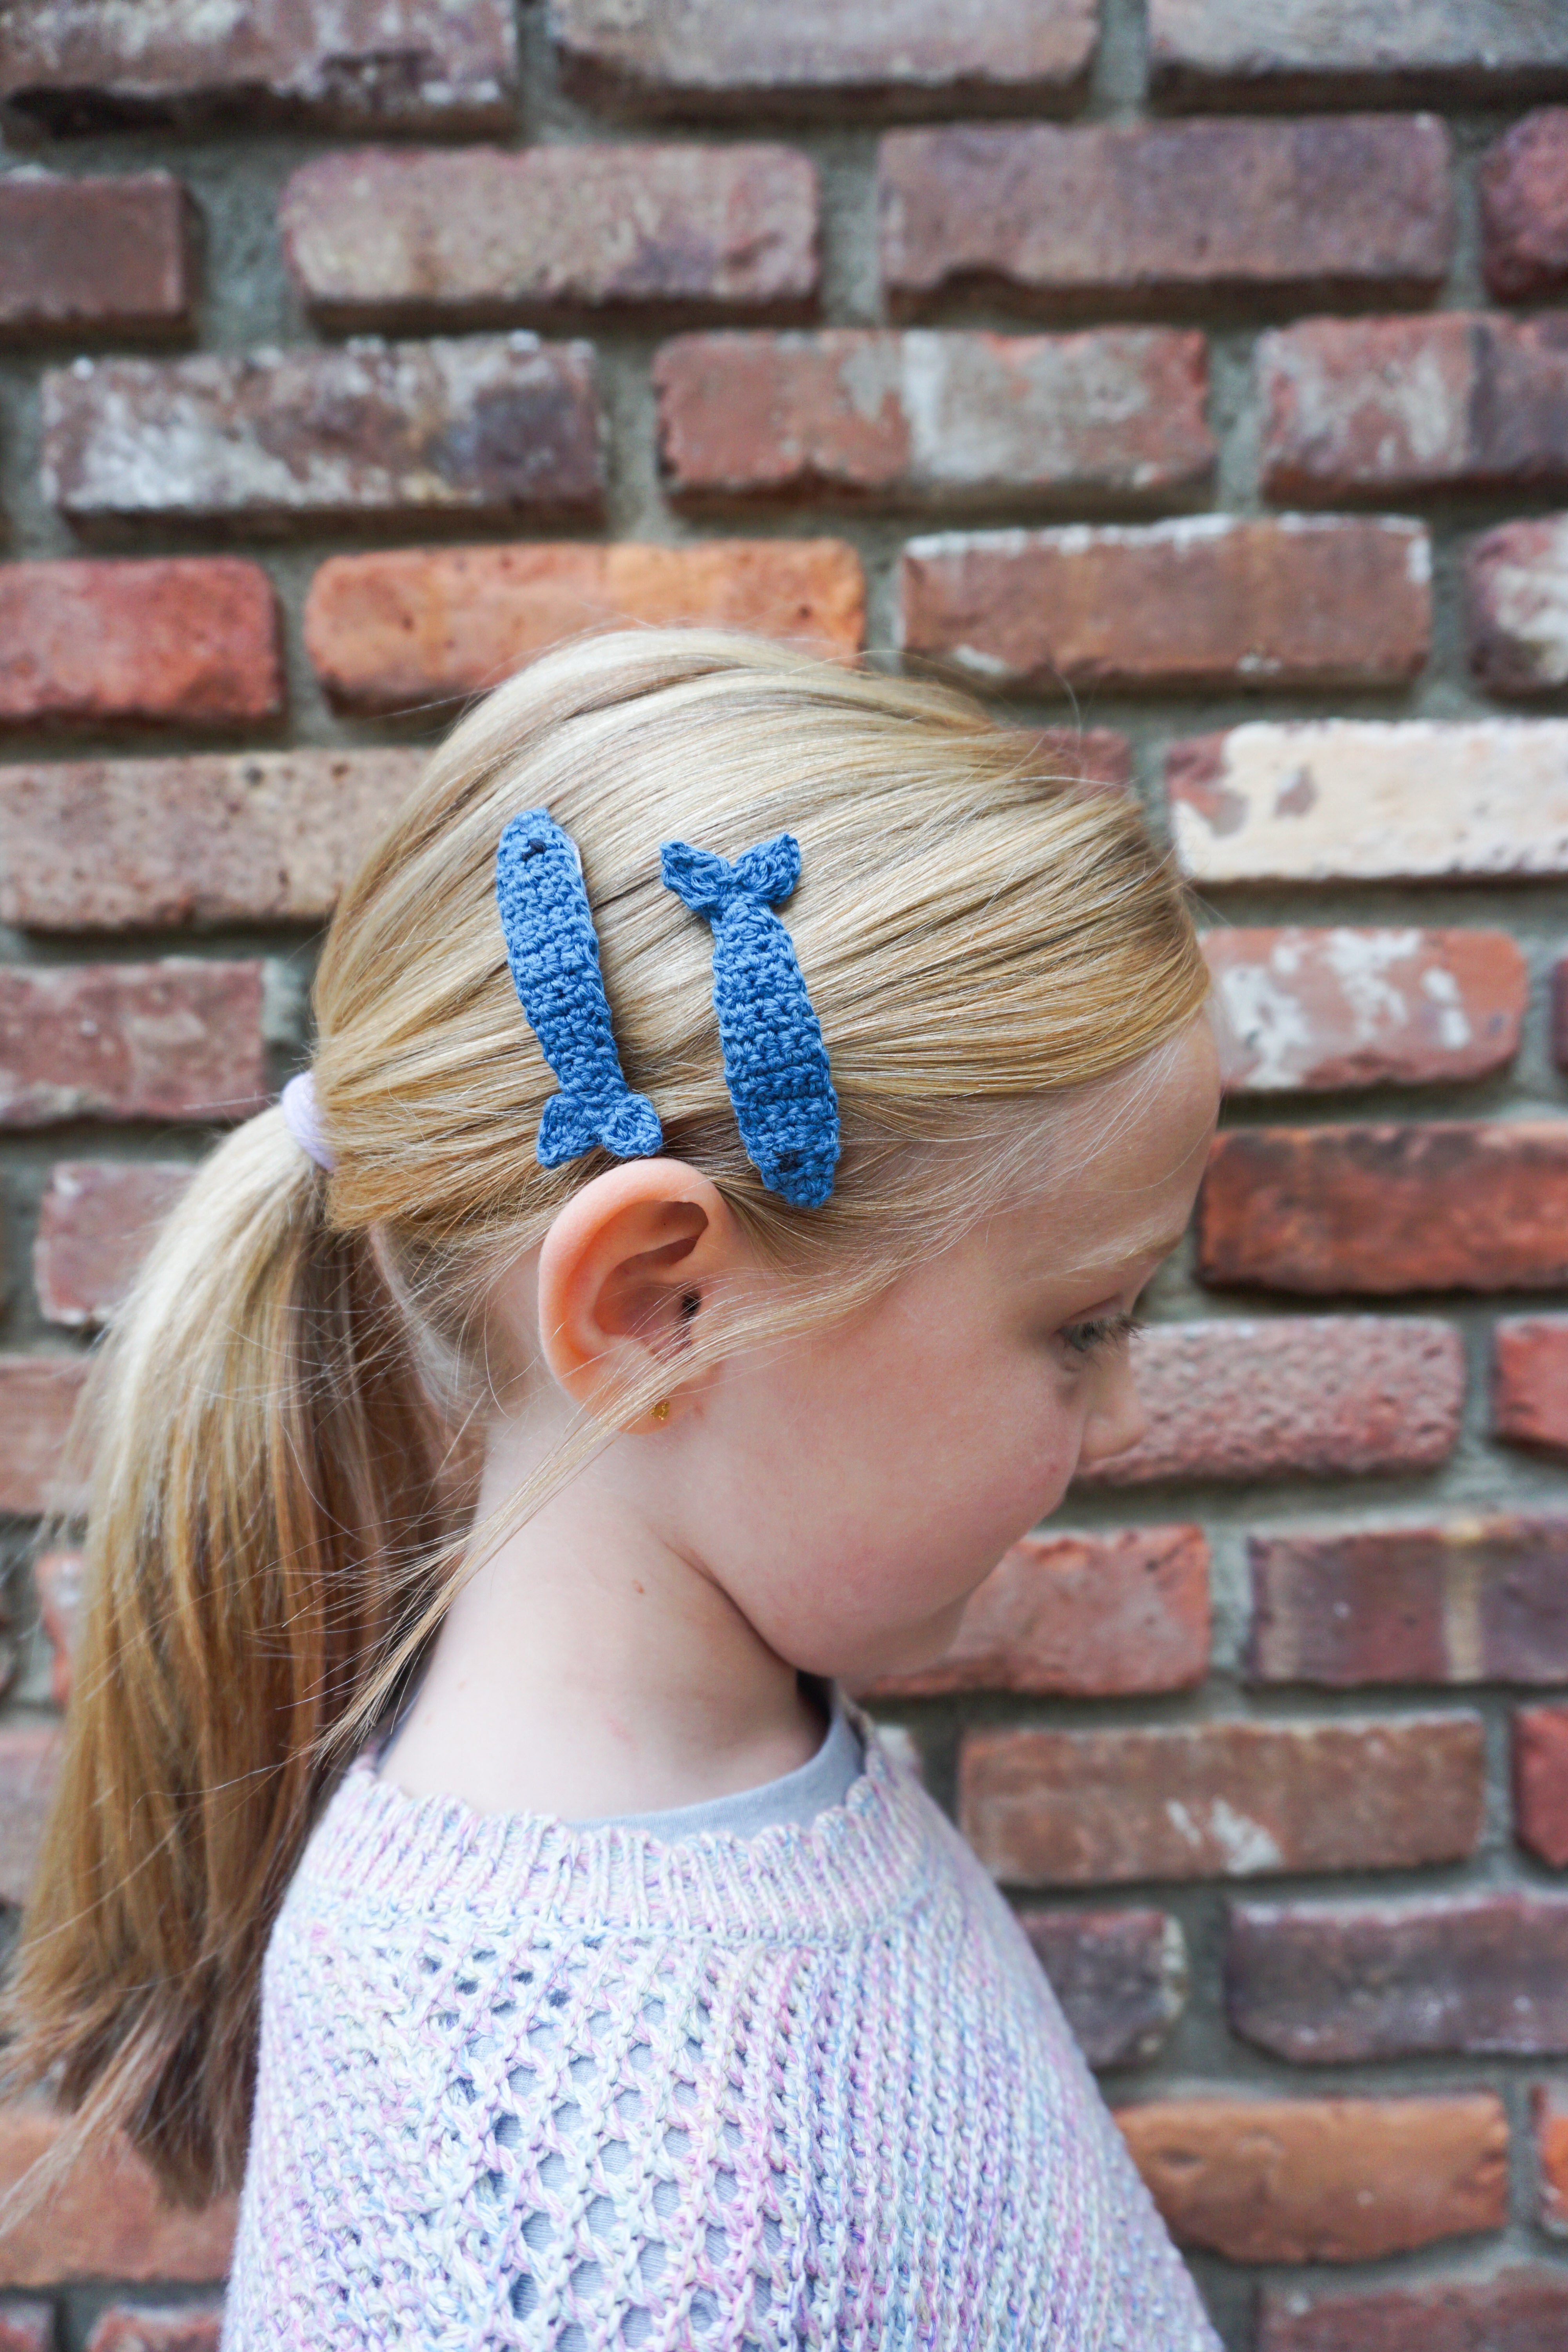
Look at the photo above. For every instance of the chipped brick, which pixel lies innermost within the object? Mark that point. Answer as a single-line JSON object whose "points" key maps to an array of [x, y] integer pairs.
{"points": [[1516, 606], [1119, 1976]]}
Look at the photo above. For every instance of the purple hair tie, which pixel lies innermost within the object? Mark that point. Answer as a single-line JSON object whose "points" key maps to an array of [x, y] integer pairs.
{"points": [[302, 1119]]}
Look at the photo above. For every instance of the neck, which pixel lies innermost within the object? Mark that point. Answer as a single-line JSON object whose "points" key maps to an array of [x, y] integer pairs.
{"points": [[588, 1668]]}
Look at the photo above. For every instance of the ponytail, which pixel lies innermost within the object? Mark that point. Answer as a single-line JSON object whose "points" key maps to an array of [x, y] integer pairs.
{"points": [[264, 1510]]}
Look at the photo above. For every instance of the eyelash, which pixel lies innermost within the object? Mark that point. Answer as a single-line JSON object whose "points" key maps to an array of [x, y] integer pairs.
{"points": [[1100, 1335]]}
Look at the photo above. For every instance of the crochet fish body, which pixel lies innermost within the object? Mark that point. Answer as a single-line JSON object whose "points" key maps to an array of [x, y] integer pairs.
{"points": [[775, 1063], [553, 954]]}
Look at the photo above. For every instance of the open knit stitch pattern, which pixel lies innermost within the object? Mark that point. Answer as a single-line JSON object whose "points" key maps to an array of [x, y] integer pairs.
{"points": [[528, 2085]]}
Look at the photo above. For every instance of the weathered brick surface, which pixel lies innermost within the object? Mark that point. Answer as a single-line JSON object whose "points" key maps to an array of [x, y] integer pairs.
{"points": [[1439, 1205], [127, 2327], [174, 1040], [376, 238], [58, 1577], [1222, 1799], [107, 2221], [1088, 1616], [1465, 1601], [1529, 1381], [1516, 606], [1309, 1010], [1520, 2310], [98, 257], [1387, 408], [402, 65], [403, 629], [910, 56], [1139, 214], [1120, 1977], [1523, 186], [1322, 2180], [29, 1767], [1339, 1983], [1205, 602], [1560, 1012], [97, 1222], [37, 1398], [482, 425], [1549, 2114], [1300, 53], [131, 844], [26, 2326], [191, 640], [1540, 1782], [1363, 801], [1321, 1396], [932, 418]]}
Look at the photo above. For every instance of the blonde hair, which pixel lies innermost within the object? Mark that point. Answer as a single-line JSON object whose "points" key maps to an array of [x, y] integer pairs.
{"points": [[282, 1489]]}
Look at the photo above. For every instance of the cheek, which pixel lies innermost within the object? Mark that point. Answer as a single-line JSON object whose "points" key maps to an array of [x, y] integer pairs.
{"points": [[885, 1476]]}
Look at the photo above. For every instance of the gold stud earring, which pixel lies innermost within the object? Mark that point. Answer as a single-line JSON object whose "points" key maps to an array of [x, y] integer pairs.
{"points": [[661, 1410]]}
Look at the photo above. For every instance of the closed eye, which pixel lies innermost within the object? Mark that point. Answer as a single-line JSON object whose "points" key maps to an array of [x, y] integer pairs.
{"points": [[1101, 1335]]}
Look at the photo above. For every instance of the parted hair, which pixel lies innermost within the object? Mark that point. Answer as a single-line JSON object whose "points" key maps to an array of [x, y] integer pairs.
{"points": [[281, 1430]]}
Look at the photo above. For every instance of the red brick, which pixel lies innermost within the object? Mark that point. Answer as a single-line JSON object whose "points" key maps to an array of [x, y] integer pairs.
{"points": [[1145, 213], [1560, 1012], [189, 639], [1446, 1206], [175, 1040], [95, 256], [1520, 2310], [497, 426], [107, 2221], [37, 1398], [1529, 1381], [1471, 1599], [1222, 1799], [1548, 2115], [1089, 755], [97, 1222], [27, 2327], [1326, 1984], [58, 1577], [481, 236], [29, 1767], [1197, 604], [1087, 1616], [1523, 186], [1119, 1976], [909, 58], [1300, 53], [1516, 606], [387, 631], [127, 2327], [935, 418], [1322, 2180], [157, 845], [1540, 1782], [1358, 801], [405, 65], [1325, 1396], [1309, 1010], [1385, 408]]}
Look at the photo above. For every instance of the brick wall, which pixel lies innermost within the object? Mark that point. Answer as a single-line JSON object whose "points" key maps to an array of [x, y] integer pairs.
{"points": [[1196, 380]]}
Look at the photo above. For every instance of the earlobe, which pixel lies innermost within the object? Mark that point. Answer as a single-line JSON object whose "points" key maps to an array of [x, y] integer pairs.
{"points": [[621, 1273]]}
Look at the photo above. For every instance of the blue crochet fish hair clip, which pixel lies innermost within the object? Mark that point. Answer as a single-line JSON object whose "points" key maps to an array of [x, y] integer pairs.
{"points": [[552, 954], [775, 1063]]}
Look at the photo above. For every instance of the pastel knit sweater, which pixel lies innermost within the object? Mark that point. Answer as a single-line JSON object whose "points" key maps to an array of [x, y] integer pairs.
{"points": [[527, 2084]]}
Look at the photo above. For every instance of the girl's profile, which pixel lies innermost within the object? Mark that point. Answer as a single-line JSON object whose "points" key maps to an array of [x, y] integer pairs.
{"points": [[750, 1095]]}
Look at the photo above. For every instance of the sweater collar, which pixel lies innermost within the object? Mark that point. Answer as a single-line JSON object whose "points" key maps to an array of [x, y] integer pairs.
{"points": [[854, 1866]]}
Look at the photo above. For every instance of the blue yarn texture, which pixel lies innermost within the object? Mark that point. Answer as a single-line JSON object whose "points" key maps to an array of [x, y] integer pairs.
{"points": [[552, 954], [775, 1063]]}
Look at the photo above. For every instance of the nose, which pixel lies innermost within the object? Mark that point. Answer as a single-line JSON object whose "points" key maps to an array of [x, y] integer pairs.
{"points": [[1116, 1420]]}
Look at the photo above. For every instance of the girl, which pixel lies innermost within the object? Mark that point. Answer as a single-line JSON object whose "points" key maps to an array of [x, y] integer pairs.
{"points": [[513, 1441]]}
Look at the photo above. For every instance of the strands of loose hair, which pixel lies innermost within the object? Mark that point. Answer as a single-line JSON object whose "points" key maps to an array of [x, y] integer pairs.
{"points": [[282, 1434]]}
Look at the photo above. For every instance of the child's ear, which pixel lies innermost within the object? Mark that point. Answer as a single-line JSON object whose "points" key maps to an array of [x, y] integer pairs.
{"points": [[621, 1272]]}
